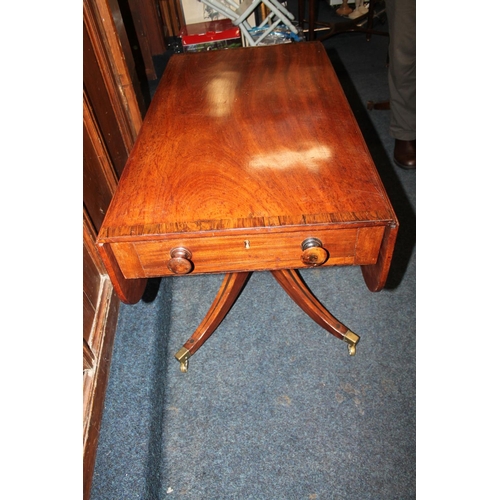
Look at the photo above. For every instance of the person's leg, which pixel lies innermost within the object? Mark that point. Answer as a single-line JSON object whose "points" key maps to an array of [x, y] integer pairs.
{"points": [[401, 16]]}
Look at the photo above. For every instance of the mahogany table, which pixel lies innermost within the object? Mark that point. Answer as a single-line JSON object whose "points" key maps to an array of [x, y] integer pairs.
{"points": [[248, 159]]}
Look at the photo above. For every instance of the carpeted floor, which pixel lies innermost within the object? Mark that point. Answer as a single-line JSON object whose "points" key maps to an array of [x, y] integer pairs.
{"points": [[272, 406]]}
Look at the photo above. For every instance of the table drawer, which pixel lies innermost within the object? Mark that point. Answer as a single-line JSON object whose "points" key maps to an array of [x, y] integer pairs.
{"points": [[247, 251]]}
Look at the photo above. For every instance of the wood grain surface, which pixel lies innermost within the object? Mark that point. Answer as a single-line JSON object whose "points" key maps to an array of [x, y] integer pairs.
{"points": [[250, 144]]}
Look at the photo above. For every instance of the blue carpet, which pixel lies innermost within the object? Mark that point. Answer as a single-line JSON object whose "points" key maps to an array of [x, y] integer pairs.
{"points": [[272, 406]]}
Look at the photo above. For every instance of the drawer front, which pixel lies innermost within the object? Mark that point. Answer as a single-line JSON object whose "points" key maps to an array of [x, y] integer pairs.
{"points": [[248, 252]]}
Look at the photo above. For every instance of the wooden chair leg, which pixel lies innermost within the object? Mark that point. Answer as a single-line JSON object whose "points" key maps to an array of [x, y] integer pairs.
{"points": [[229, 291], [293, 285]]}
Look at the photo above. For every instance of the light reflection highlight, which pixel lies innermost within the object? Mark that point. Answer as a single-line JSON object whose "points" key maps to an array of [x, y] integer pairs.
{"points": [[311, 158], [220, 93]]}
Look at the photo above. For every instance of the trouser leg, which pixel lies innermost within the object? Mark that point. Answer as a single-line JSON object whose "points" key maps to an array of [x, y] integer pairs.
{"points": [[401, 16]]}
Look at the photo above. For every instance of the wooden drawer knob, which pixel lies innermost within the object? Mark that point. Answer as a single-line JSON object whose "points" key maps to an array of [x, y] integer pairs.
{"points": [[313, 253], [180, 262]]}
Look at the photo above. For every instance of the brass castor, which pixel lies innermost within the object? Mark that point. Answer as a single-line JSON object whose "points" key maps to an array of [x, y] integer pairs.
{"points": [[183, 356], [352, 339]]}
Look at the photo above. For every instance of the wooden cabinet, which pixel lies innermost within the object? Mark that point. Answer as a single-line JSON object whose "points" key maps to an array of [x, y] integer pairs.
{"points": [[147, 24], [113, 108], [172, 16]]}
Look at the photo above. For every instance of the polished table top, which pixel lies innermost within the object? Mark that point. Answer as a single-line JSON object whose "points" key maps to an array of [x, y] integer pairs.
{"points": [[243, 154]]}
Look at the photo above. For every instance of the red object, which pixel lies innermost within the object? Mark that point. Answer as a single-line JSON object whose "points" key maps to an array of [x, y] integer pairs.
{"points": [[211, 31]]}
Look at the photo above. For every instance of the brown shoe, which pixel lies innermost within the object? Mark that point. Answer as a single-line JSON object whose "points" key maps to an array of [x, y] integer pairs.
{"points": [[405, 154]]}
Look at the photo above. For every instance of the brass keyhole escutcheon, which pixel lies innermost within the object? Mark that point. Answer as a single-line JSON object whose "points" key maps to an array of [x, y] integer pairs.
{"points": [[180, 261], [313, 253]]}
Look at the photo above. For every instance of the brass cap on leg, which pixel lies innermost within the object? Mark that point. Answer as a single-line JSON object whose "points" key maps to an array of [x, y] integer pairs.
{"points": [[352, 339], [183, 356]]}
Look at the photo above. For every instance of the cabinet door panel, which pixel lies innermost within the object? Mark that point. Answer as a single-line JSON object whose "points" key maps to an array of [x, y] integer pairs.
{"points": [[99, 179], [95, 87]]}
